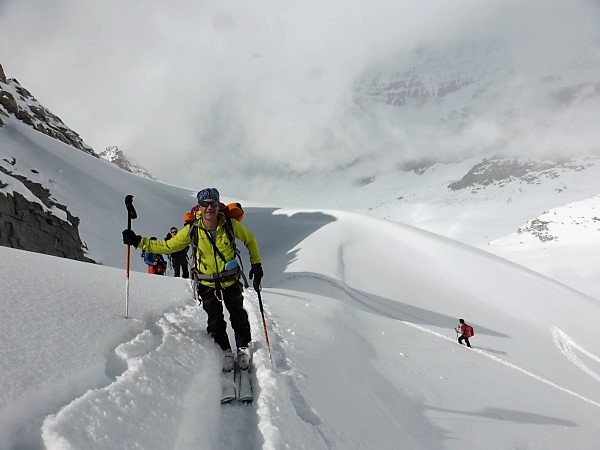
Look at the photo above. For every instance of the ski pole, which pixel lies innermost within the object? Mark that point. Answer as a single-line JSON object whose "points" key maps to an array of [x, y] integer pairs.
{"points": [[195, 287], [262, 313], [131, 214]]}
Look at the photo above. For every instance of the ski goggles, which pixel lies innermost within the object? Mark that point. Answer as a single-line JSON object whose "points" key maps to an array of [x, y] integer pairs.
{"points": [[209, 202]]}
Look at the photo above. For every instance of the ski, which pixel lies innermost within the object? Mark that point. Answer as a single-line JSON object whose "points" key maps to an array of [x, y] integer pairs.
{"points": [[244, 386], [228, 391], [245, 391], [237, 385]]}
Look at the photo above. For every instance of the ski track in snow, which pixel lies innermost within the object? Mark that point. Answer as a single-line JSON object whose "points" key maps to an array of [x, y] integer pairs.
{"points": [[278, 401], [168, 396], [568, 346], [563, 342], [569, 354], [172, 386], [170, 389]]}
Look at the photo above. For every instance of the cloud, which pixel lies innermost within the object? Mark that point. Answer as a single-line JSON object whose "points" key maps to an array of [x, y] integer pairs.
{"points": [[203, 91]]}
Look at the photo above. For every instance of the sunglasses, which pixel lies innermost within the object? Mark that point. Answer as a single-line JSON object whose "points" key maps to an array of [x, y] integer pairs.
{"points": [[207, 203]]}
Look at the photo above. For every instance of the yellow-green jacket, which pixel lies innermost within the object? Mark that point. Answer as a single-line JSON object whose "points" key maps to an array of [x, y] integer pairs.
{"points": [[207, 259]]}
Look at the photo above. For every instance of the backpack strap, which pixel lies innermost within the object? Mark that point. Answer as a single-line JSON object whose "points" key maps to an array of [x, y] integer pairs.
{"points": [[193, 234], [231, 235], [214, 244]]}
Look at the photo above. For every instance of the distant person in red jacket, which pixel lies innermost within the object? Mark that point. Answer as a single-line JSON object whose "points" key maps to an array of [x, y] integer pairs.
{"points": [[466, 331]]}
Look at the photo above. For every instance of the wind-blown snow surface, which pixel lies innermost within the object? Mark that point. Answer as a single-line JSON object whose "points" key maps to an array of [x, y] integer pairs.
{"points": [[364, 355], [489, 216], [562, 242], [360, 314]]}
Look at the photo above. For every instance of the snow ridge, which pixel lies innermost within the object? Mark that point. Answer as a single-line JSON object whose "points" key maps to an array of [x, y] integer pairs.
{"points": [[163, 362], [172, 363]]}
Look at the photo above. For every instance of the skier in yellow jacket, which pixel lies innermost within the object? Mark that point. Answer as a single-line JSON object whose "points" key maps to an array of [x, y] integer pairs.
{"points": [[216, 268]]}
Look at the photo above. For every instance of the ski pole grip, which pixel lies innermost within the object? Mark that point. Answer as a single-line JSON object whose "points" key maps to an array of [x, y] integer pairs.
{"points": [[131, 213]]}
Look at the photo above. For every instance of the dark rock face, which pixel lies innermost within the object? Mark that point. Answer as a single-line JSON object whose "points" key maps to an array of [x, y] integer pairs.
{"points": [[26, 226], [8, 101], [24, 223]]}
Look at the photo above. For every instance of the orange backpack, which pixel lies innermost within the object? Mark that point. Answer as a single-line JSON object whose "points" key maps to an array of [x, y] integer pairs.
{"points": [[235, 211]]}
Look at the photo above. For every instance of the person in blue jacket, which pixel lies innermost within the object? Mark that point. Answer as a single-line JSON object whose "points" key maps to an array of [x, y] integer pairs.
{"points": [[155, 262]]}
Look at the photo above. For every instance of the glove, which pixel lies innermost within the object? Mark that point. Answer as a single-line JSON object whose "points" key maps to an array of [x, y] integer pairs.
{"points": [[256, 272], [130, 238]]}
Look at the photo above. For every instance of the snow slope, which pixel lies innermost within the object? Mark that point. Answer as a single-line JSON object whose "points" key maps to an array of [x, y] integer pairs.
{"points": [[360, 313], [91, 187], [562, 242], [364, 354], [490, 216]]}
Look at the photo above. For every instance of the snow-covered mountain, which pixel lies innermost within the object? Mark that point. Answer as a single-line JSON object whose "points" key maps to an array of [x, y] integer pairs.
{"points": [[454, 85], [483, 202], [476, 200], [430, 75], [18, 102], [561, 242], [360, 313], [33, 218], [489, 136], [484, 98], [472, 110], [116, 156]]}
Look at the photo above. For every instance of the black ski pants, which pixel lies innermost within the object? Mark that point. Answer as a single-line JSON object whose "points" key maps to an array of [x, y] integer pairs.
{"points": [[464, 338], [180, 266], [216, 327]]}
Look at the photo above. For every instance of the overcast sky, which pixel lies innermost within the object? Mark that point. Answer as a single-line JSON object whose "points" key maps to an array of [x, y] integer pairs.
{"points": [[197, 90]]}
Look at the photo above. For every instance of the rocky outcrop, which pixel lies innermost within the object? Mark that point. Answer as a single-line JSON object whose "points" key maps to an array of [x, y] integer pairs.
{"points": [[30, 217], [539, 229], [116, 156], [8, 101], [26, 225]]}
